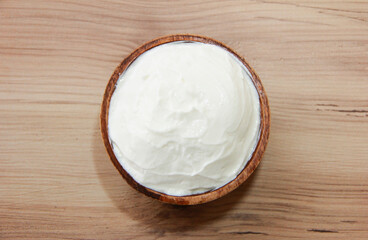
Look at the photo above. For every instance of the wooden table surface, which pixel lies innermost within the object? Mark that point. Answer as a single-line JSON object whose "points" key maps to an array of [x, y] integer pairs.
{"points": [[57, 182]]}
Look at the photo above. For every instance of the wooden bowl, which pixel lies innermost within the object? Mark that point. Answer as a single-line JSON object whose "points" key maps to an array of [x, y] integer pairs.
{"points": [[196, 198]]}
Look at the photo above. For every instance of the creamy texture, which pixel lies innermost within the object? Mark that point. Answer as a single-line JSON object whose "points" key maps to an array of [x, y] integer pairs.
{"points": [[184, 118]]}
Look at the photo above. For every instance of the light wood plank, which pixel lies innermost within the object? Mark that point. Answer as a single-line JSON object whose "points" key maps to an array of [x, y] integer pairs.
{"points": [[57, 182]]}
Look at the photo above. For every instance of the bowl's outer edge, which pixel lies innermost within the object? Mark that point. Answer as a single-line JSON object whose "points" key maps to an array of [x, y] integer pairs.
{"points": [[198, 198]]}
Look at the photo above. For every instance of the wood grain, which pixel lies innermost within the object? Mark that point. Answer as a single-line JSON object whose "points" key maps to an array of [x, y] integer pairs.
{"points": [[57, 182]]}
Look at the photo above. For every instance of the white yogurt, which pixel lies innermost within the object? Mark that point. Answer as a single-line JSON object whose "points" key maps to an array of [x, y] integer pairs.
{"points": [[184, 118]]}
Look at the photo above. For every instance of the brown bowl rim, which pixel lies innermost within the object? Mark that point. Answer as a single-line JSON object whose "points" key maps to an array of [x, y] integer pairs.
{"points": [[196, 198]]}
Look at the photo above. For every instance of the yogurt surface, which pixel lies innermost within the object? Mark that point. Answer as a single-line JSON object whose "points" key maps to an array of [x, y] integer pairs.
{"points": [[184, 118]]}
